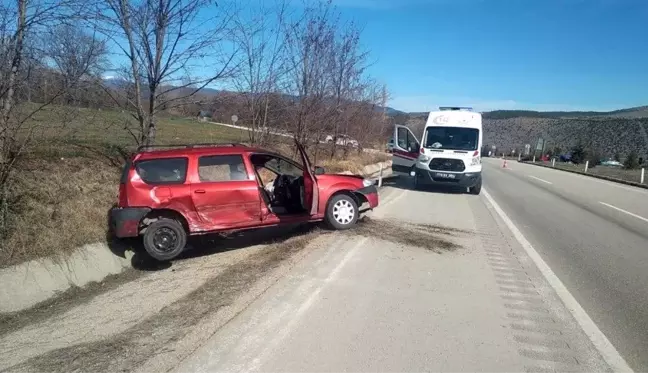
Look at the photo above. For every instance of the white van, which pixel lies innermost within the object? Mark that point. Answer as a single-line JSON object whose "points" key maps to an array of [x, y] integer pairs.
{"points": [[448, 153]]}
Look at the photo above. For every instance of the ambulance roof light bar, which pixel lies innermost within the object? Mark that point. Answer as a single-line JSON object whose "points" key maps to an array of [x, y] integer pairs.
{"points": [[455, 108]]}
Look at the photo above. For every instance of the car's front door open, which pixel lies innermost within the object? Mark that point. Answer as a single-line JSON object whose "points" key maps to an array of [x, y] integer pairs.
{"points": [[311, 192], [406, 150]]}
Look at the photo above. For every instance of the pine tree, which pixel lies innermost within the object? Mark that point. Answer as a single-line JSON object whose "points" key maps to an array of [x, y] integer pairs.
{"points": [[578, 153], [631, 161]]}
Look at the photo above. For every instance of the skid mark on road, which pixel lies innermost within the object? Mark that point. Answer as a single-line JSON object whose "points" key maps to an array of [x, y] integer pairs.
{"points": [[434, 238], [540, 335]]}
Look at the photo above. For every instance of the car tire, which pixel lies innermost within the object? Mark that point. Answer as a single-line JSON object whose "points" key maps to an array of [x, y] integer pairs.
{"points": [[164, 239], [476, 189], [342, 212]]}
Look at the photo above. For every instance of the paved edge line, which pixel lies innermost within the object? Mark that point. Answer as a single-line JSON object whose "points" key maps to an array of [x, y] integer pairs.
{"points": [[539, 179], [624, 211], [596, 336]]}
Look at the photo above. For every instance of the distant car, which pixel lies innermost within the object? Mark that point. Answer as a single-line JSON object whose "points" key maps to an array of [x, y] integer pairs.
{"points": [[166, 195], [342, 140], [611, 163]]}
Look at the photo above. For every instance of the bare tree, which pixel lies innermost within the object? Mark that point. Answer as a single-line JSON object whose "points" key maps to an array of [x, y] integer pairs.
{"points": [[261, 43], [348, 64], [310, 41], [166, 42], [20, 20], [79, 57]]}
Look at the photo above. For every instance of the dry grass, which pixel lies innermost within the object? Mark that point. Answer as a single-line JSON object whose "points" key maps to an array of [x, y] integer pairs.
{"points": [[129, 349], [354, 162], [56, 206]]}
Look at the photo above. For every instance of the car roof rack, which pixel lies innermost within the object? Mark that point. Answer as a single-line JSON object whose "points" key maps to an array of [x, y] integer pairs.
{"points": [[454, 108], [188, 146]]}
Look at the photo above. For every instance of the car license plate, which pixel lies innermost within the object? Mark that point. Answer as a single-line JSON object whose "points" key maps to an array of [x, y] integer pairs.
{"points": [[446, 176]]}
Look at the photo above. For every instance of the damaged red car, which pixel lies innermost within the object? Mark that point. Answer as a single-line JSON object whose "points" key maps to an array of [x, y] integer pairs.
{"points": [[166, 195]]}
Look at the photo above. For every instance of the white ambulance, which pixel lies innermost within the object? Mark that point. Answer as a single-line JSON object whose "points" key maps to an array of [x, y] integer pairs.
{"points": [[448, 153]]}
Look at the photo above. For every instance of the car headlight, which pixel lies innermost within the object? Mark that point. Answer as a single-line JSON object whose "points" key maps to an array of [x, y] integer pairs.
{"points": [[475, 161], [367, 182], [424, 158]]}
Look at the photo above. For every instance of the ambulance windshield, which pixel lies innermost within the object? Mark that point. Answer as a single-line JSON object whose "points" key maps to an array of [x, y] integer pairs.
{"points": [[451, 138]]}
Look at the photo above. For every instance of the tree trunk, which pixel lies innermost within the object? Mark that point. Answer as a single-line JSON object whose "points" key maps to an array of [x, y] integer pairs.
{"points": [[8, 101]]}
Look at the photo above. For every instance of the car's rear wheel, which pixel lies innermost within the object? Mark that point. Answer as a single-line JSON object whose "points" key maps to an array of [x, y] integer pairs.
{"points": [[476, 189], [164, 239], [342, 212]]}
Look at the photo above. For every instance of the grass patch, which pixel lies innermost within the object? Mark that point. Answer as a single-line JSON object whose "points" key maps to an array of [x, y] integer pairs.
{"points": [[57, 205], [129, 349]]}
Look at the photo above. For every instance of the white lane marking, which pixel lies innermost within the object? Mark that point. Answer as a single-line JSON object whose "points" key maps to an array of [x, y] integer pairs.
{"points": [[539, 179], [624, 211], [270, 346], [599, 340]]}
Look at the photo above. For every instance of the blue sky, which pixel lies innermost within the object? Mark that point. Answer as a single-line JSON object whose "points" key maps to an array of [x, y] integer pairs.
{"points": [[507, 54]]}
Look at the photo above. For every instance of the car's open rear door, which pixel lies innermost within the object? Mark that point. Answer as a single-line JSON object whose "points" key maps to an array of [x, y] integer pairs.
{"points": [[311, 192], [405, 151]]}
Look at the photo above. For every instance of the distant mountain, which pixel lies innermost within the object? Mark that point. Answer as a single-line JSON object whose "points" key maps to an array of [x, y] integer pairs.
{"points": [[635, 112]]}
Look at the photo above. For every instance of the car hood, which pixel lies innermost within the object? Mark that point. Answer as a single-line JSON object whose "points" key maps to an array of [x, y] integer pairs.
{"points": [[340, 178]]}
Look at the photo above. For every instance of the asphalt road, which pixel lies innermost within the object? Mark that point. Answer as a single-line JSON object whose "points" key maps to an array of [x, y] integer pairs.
{"points": [[594, 236], [435, 282]]}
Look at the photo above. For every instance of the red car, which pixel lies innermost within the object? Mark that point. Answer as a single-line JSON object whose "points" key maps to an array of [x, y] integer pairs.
{"points": [[167, 195]]}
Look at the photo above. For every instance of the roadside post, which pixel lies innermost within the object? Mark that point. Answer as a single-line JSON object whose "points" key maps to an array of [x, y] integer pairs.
{"points": [[519, 156], [553, 162], [643, 171], [534, 159], [380, 175], [586, 166]]}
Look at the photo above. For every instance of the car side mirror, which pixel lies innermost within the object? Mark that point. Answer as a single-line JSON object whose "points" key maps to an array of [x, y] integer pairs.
{"points": [[319, 170]]}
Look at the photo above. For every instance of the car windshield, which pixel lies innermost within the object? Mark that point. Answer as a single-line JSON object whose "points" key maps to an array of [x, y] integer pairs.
{"points": [[453, 138]]}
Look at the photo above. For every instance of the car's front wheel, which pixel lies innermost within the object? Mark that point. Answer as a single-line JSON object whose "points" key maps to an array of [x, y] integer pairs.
{"points": [[164, 239], [414, 184], [342, 212]]}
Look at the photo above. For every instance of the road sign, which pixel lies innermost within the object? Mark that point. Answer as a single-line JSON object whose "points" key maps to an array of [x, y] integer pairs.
{"points": [[234, 118]]}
